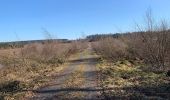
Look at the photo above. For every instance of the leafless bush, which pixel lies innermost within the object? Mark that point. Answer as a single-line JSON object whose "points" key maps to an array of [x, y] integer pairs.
{"points": [[151, 44], [110, 48], [31, 50], [50, 50]]}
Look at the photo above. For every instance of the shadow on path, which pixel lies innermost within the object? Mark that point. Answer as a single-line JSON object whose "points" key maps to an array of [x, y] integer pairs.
{"points": [[88, 89], [93, 59]]}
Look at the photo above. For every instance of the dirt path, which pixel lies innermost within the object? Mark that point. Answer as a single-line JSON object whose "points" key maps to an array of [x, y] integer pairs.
{"points": [[1, 66], [78, 81]]}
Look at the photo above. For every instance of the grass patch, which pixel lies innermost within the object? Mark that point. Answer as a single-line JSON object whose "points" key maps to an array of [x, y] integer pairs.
{"points": [[20, 75], [129, 81]]}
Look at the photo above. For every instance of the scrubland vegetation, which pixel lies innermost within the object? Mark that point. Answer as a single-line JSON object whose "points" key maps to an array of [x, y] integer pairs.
{"points": [[136, 65], [132, 65], [31, 66]]}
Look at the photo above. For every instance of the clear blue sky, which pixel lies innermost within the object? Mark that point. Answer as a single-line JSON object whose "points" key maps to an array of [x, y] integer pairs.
{"points": [[72, 18]]}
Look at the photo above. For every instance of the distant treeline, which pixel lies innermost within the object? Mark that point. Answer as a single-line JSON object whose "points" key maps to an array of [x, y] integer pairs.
{"points": [[18, 44], [96, 37]]}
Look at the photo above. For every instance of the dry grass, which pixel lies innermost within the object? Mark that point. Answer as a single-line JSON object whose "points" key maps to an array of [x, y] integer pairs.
{"points": [[129, 81]]}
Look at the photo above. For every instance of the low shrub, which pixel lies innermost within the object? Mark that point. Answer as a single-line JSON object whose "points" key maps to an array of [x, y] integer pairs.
{"points": [[111, 49]]}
